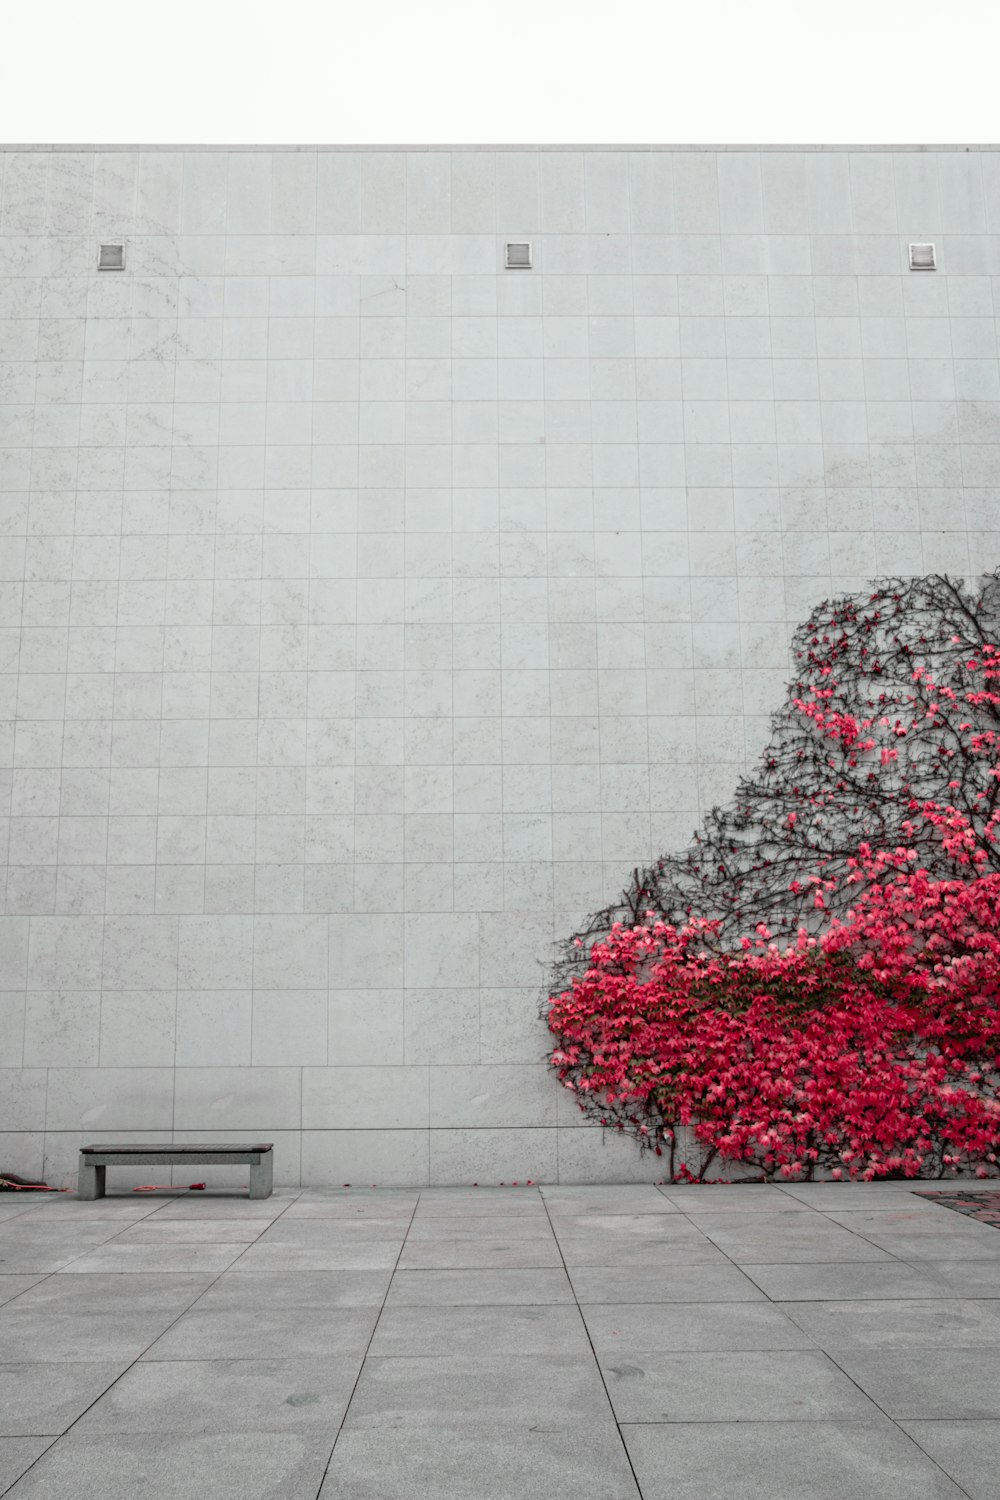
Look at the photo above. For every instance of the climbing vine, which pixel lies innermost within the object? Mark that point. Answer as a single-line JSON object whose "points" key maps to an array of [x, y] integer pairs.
{"points": [[744, 987]]}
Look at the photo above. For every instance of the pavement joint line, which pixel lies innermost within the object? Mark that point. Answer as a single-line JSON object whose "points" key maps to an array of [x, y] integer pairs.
{"points": [[593, 1351], [904, 1435], [629, 1231], [364, 1357], [184, 1310], [819, 1349]]}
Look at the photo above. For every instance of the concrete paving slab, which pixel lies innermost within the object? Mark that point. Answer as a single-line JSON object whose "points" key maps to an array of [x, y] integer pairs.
{"points": [[192, 1232], [49, 1247], [381, 1203], [606, 1200], [646, 1285], [927, 1384], [359, 1193], [109, 1292], [322, 1231], [962, 1278], [560, 1392], [792, 1242], [474, 1254], [687, 1247], [37, 1400], [221, 1395], [486, 1332], [74, 1210], [489, 1227], [13, 1207], [489, 1288], [103, 1318], [257, 1330], [225, 1466], [168, 1259], [18, 1454], [363, 1255], [783, 1461], [825, 1196], [664, 1228], [967, 1451], [306, 1289], [978, 1242], [222, 1206], [13, 1286], [731, 1198], [631, 1330], [923, 1216], [349, 1211], [454, 1310], [456, 1200], [930, 1323], [28, 1198], [772, 1386], [820, 1281], [519, 1463], [481, 1205], [796, 1219]]}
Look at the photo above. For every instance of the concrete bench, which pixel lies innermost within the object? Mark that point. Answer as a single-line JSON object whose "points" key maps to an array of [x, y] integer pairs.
{"points": [[94, 1161]]}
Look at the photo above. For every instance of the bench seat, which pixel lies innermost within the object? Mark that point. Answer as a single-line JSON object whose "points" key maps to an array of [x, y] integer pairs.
{"points": [[94, 1160]]}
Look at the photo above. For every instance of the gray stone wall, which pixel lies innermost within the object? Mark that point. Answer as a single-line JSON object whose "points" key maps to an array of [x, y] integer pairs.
{"points": [[368, 610]]}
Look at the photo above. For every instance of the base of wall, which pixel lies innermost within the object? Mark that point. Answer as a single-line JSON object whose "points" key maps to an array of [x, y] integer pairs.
{"points": [[380, 1158]]}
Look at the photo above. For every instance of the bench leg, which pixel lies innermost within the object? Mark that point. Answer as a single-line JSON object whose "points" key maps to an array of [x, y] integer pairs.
{"points": [[91, 1184], [262, 1176]]}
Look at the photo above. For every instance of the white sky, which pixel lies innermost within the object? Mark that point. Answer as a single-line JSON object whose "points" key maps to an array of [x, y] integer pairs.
{"points": [[526, 71]]}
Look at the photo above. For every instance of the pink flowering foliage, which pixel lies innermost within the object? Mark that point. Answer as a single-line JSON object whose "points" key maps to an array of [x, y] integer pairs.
{"points": [[815, 984]]}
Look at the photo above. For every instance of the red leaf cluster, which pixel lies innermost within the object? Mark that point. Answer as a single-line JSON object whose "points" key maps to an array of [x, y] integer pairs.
{"points": [[865, 1041]]}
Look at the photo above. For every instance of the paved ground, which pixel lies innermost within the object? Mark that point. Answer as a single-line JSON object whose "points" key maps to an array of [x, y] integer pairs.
{"points": [[715, 1343]]}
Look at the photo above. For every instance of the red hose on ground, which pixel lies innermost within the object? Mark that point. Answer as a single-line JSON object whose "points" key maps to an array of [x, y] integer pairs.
{"points": [[167, 1187]]}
